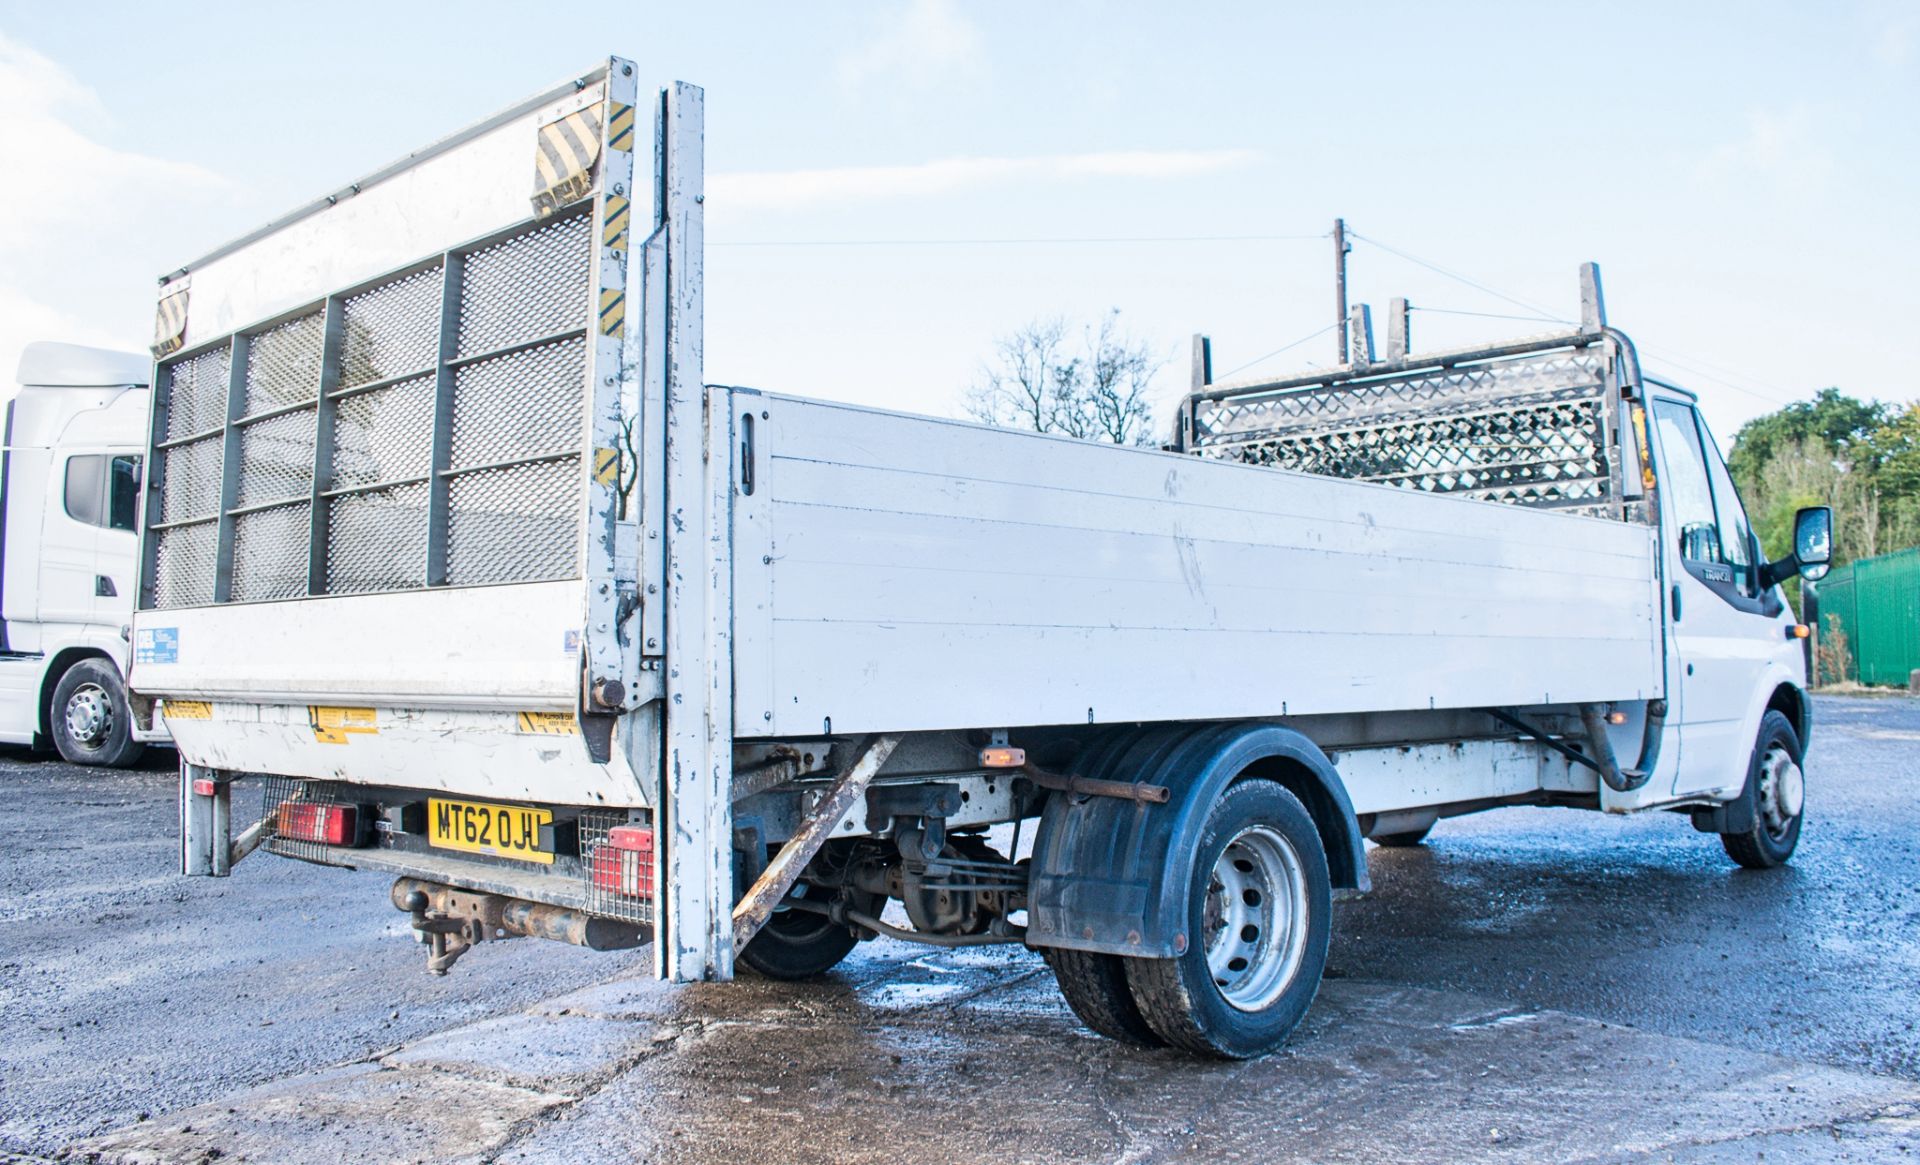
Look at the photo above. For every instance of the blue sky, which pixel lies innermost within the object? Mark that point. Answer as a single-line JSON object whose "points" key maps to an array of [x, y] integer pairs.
{"points": [[1745, 174]]}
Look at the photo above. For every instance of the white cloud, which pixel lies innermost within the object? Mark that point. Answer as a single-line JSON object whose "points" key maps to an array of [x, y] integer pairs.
{"points": [[67, 204], [1780, 148], [920, 43], [783, 189]]}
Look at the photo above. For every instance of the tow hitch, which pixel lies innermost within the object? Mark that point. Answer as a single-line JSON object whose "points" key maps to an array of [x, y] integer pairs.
{"points": [[452, 921]]}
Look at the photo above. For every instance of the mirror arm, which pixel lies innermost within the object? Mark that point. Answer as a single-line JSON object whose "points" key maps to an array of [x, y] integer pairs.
{"points": [[1774, 573]]}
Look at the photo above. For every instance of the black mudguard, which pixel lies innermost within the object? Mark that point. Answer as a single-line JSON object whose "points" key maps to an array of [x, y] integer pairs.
{"points": [[1112, 875]]}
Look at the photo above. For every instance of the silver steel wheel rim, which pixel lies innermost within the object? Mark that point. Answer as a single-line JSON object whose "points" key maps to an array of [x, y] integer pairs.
{"points": [[1256, 918], [1782, 791], [89, 714]]}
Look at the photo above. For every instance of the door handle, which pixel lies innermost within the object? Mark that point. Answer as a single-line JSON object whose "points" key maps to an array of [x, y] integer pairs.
{"points": [[1676, 602]]}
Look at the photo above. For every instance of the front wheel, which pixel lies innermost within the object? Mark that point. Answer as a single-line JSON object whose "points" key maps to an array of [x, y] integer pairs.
{"points": [[1776, 792], [92, 724], [1259, 917]]}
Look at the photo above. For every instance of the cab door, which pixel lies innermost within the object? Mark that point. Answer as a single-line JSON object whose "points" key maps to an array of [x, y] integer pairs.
{"points": [[88, 544], [1723, 624]]}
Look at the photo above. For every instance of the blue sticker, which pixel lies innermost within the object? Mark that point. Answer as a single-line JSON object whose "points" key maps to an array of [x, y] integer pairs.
{"points": [[157, 645], [572, 643]]}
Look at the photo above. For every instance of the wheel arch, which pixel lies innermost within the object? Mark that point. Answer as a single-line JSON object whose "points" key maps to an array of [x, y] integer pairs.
{"points": [[1791, 701], [1111, 875], [57, 668]]}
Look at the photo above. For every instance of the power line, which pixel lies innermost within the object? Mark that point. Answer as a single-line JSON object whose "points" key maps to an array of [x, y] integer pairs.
{"points": [[1277, 351], [1548, 317], [1454, 275], [1487, 315], [1016, 242]]}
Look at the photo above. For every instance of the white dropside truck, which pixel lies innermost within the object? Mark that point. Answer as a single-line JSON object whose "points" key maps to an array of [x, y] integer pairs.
{"points": [[451, 554], [76, 435]]}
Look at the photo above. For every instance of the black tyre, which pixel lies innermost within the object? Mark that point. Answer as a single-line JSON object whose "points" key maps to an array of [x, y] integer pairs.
{"points": [[1776, 792], [91, 722], [1095, 986], [1259, 913], [798, 944], [1412, 837]]}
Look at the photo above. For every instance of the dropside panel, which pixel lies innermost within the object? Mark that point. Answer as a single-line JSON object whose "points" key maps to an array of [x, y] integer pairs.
{"points": [[915, 574]]}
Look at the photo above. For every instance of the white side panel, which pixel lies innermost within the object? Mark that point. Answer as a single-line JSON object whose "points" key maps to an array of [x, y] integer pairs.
{"points": [[514, 647], [921, 574], [447, 199], [1381, 780]]}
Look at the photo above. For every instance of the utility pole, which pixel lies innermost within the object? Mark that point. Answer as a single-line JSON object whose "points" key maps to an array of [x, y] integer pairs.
{"points": [[1341, 249]]}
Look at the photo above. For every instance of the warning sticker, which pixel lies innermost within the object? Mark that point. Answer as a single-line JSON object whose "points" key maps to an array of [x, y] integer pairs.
{"points": [[335, 725], [187, 710], [547, 723]]}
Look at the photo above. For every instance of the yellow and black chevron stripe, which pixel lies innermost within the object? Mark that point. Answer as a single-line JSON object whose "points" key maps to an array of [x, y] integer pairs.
{"points": [[613, 233], [620, 127], [613, 311], [169, 324], [563, 159]]}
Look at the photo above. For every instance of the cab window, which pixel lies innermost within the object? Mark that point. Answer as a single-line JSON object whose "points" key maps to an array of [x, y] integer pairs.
{"points": [[103, 490], [1711, 524]]}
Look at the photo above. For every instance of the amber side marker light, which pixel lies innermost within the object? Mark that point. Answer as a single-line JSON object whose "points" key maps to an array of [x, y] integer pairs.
{"points": [[1799, 631], [1002, 757], [1616, 717]]}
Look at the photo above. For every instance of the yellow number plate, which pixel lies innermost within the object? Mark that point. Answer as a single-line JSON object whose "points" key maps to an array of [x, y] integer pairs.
{"points": [[504, 831]]}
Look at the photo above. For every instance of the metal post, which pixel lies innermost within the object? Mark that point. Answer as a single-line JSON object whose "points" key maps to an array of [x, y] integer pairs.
{"points": [[206, 822], [333, 340], [696, 931], [1593, 305], [1202, 362], [440, 459], [1397, 330], [1360, 336], [1341, 249], [237, 350]]}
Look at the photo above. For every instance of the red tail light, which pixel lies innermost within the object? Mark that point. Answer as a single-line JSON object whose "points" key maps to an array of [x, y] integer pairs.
{"points": [[623, 864], [326, 824]]}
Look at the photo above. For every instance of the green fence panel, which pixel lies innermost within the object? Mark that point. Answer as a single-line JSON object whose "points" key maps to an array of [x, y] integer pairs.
{"points": [[1886, 604]]}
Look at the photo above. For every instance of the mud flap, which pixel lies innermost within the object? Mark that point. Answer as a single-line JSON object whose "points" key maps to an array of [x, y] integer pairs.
{"points": [[1111, 875]]}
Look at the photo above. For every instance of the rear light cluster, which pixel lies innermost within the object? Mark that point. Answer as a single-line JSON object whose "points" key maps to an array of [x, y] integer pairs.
{"points": [[312, 821], [623, 863]]}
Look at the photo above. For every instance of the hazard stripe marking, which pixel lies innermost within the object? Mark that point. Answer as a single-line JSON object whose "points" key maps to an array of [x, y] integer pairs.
{"points": [[169, 324], [613, 235], [563, 157], [620, 128], [606, 465], [613, 311]]}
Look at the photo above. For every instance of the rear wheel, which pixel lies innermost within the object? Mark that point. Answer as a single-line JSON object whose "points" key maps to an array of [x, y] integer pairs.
{"points": [[1776, 792], [1095, 986], [1259, 915], [91, 722]]}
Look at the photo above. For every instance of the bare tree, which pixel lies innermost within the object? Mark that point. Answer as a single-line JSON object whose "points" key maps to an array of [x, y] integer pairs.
{"points": [[1098, 388]]}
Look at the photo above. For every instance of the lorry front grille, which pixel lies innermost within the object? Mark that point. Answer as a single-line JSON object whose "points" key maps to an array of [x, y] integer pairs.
{"points": [[425, 429]]}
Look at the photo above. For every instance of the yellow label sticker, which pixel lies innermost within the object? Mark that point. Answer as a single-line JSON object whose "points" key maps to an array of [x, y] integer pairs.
{"points": [[334, 725], [187, 710], [606, 465], [613, 310], [547, 723]]}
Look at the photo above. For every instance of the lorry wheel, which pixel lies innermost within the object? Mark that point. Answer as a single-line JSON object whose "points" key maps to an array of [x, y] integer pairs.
{"points": [[1095, 986], [1776, 792], [1259, 916], [92, 724], [1402, 840]]}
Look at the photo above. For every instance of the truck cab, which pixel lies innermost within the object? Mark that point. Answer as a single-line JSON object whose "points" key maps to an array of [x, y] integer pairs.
{"points": [[69, 492]]}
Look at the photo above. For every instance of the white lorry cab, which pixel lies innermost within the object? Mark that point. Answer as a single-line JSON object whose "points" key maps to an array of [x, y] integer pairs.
{"points": [[454, 561], [70, 482]]}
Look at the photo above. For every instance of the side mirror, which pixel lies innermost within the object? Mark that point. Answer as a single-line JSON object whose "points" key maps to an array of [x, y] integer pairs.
{"points": [[1813, 541], [1812, 548]]}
